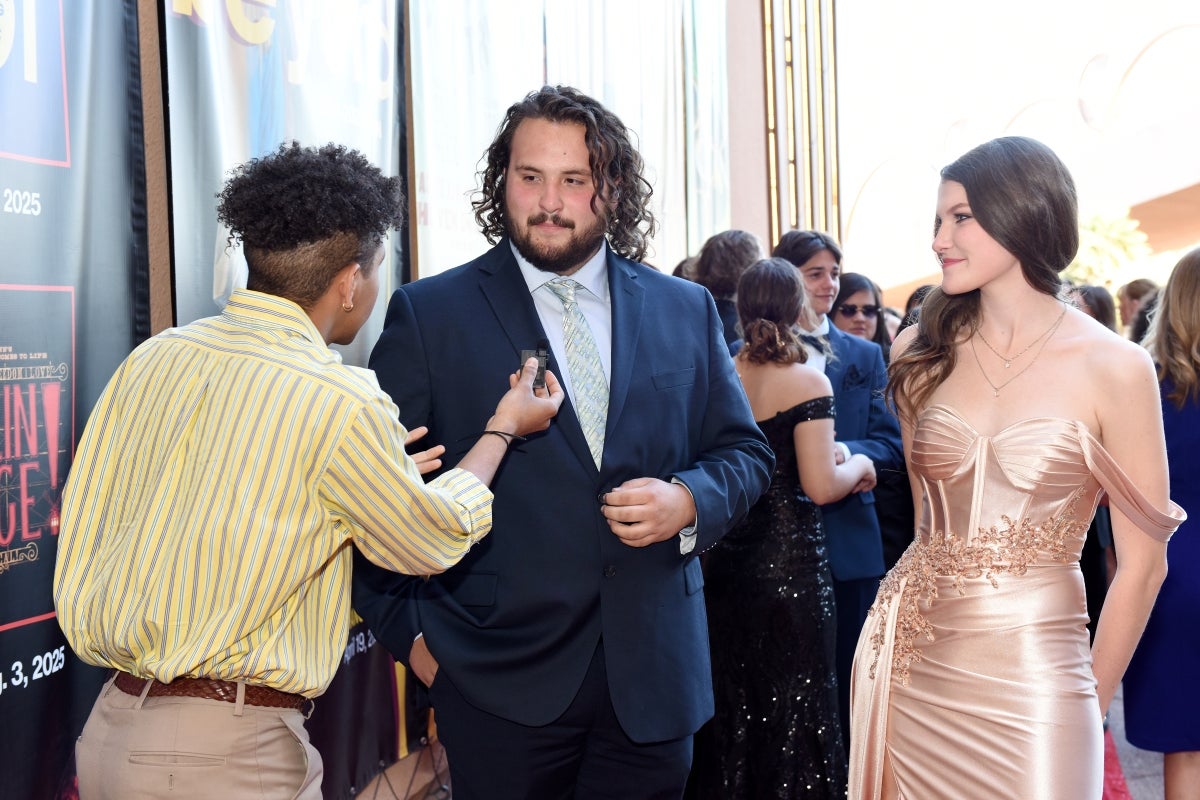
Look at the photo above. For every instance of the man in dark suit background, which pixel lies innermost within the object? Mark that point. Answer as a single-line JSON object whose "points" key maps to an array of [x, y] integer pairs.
{"points": [[863, 424], [567, 654]]}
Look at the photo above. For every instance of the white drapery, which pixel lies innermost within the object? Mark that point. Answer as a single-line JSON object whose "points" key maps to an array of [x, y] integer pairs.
{"points": [[658, 64]]}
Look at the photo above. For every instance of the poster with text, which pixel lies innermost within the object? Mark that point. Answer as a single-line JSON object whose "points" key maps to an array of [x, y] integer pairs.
{"points": [[73, 268], [37, 436]]}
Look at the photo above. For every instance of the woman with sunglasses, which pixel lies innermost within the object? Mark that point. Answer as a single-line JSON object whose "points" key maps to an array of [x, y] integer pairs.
{"points": [[857, 310]]}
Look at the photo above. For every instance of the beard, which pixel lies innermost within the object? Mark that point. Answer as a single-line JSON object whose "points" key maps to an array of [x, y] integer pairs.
{"points": [[559, 259]]}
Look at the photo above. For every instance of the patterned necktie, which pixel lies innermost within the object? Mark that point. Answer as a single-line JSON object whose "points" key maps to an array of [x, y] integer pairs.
{"points": [[583, 362]]}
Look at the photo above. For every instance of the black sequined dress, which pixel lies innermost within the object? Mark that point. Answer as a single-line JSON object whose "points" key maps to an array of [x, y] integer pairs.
{"points": [[772, 630]]}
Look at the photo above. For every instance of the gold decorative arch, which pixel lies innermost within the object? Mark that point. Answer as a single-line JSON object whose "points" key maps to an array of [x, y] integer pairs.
{"points": [[800, 64]]}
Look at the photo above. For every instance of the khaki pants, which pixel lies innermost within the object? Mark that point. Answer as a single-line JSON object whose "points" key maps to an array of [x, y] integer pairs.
{"points": [[189, 747]]}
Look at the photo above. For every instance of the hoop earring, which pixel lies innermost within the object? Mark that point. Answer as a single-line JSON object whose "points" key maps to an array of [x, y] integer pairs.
{"points": [[347, 307]]}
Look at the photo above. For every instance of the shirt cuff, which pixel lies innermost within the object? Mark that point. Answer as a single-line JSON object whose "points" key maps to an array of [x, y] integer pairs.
{"points": [[472, 500], [845, 451], [687, 536]]}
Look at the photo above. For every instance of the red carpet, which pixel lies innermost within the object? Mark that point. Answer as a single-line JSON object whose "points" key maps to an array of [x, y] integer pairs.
{"points": [[1115, 787]]}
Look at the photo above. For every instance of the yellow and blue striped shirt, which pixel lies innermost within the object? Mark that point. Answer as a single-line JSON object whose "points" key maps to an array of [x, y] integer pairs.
{"points": [[207, 521]]}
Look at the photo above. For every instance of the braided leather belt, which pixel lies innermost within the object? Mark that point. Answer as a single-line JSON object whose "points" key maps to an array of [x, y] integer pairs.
{"points": [[210, 689]]}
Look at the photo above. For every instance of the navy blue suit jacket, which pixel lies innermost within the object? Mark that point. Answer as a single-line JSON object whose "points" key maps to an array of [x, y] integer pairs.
{"points": [[865, 425], [517, 621]]}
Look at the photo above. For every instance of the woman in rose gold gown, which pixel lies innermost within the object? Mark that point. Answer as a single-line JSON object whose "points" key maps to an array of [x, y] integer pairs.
{"points": [[973, 677]]}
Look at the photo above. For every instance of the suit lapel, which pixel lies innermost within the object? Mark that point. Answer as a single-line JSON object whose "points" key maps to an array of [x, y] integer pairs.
{"points": [[506, 292], [628, 301], [835, 367]]}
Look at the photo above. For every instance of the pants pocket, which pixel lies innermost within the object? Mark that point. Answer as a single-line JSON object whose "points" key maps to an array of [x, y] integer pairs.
{"points": [[310, 788]]}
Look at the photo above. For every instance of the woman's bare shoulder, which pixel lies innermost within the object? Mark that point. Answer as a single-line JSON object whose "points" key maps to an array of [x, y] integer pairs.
{"points": [[1105, 351], [1108, 379], [808, 380], [793, 384]]}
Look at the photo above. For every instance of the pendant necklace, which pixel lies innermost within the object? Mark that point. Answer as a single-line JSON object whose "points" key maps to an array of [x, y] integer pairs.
{"points": [[1044, 339], [1009, 359]]}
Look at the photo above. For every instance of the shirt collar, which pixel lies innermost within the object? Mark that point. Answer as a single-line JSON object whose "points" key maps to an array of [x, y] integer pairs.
{"points": [[822, 328], [593, 275], [260, 310]]}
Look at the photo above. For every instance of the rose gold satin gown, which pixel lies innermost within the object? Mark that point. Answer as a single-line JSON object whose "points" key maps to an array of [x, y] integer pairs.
{"points": [[973, 676]]}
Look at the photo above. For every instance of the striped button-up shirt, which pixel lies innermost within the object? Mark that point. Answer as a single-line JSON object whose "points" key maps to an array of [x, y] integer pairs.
{"points": [[223, 477]]}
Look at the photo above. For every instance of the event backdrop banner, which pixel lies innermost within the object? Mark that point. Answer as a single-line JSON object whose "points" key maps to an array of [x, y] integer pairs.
{"points": [[73, 238]]}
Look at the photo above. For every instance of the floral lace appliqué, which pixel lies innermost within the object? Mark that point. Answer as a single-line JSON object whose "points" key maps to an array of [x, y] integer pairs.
{"points": [[1007, 548]]}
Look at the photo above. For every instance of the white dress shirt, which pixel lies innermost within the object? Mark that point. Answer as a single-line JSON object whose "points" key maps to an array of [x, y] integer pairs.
{"points": [[595, 302], [816, 357]]}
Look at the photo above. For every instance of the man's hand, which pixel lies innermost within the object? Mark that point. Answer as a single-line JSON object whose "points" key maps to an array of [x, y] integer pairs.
{"points": [[646, 510], [427, 460], [422, 663]]}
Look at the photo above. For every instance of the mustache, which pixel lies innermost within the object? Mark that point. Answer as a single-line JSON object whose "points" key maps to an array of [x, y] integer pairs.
{"points": [[561, 222]]}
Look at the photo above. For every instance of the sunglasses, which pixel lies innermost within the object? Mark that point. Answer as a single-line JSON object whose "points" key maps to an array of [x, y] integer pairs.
{"points": [[848, 310]]}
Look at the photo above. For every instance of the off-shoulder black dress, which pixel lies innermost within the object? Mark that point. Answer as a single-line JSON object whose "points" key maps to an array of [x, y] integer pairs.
{"points": [[772, 628]]}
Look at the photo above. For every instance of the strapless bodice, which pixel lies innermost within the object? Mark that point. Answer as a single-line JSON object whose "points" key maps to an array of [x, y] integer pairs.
{"points": [[1034, 483]]}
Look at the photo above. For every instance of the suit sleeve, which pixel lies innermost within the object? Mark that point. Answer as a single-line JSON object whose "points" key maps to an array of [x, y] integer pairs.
{"points": [[882, 441], [734, 462], [387, 600]]}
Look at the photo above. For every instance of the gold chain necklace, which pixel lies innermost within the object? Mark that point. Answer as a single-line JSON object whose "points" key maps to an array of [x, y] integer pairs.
{"points": [[1044, 338], [1009, 359]]}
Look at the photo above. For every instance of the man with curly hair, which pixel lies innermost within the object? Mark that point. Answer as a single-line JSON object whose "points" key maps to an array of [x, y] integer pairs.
{"points": [[226, 473], [568, 654]]}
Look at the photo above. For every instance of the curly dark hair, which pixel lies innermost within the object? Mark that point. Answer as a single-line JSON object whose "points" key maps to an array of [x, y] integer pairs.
{"points": [[304, 213], [770, 299], [723, 259], [622, 195], [1024, 198]]}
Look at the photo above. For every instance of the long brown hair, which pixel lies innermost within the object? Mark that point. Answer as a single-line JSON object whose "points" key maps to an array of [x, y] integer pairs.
{"points": [[1023, 196], [1174, 336], [622, 195]]}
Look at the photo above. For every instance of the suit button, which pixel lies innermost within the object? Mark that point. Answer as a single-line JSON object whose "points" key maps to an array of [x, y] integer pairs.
{"points": [[610, 571]]}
